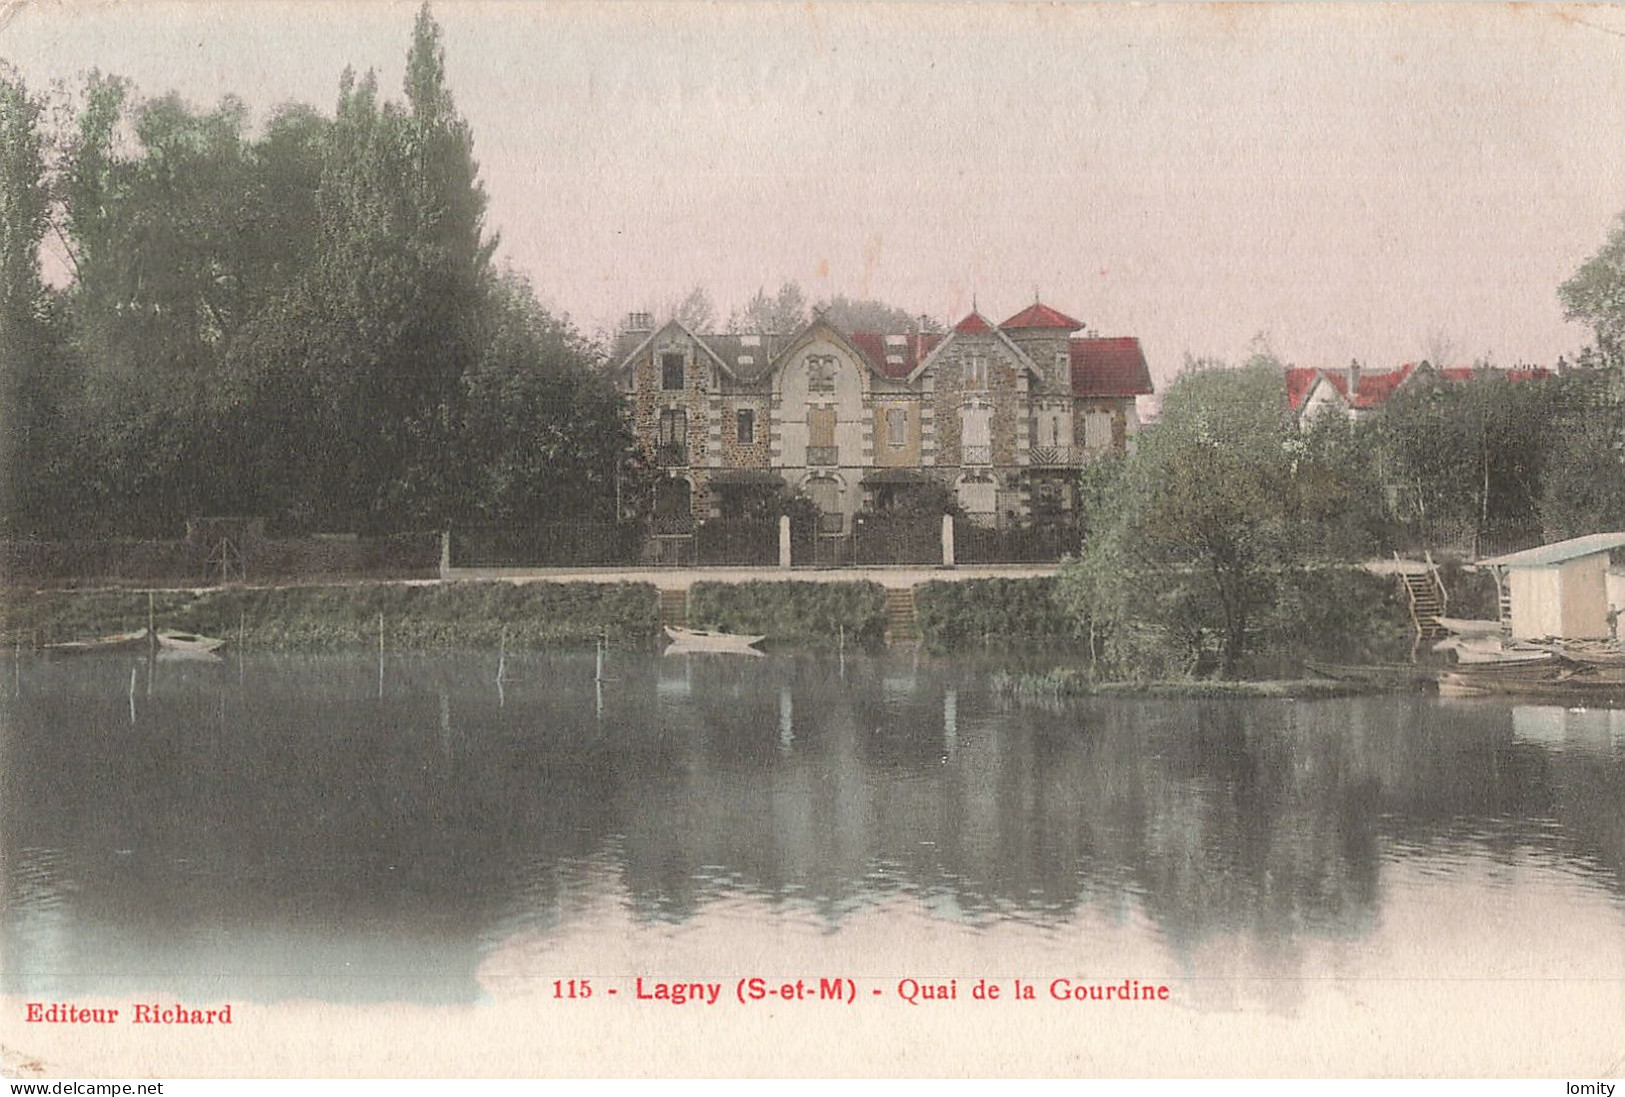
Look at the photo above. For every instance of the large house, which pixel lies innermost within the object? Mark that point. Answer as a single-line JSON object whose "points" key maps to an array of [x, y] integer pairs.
{"points": [[1360, 394], [1000, 414]]}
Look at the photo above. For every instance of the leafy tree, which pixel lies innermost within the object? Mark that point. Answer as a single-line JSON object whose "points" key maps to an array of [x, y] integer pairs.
{"points": [[368, 351], [695, 311], [1595, 294], [28, 379], [1583, 481], [869, 315], [778, 315], [1191, 543], [1585, 492], [544, 437], [1469, 455], [155, 242]]}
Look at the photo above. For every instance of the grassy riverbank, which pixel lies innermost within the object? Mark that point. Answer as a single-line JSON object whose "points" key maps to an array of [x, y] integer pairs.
{"points": [[414, 617]]}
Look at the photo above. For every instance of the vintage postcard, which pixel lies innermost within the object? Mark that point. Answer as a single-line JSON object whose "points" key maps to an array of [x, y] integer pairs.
{"points": [[856, 539]]}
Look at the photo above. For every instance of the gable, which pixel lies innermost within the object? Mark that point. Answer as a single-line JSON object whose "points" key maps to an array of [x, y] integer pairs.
{"points": [[663, 336], [1018, 356]]}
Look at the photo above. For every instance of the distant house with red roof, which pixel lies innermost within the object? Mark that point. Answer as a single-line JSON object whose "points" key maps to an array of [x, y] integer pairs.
{"points": [[1358, 393], [1003, 415]]}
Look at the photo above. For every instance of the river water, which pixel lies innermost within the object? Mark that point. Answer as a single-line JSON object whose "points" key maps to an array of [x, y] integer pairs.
{"points": [[340, 832]]}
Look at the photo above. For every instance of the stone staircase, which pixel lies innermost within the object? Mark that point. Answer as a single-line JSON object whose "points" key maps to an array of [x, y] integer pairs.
{"points": [[674, 608], [900, 624]]}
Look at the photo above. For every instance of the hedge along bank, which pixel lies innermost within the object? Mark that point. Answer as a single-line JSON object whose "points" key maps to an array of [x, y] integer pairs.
{"points": [[792, 612], [986, 612], [429, 616]]}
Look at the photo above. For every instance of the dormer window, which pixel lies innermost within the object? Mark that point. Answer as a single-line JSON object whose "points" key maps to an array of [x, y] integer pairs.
{"points": [[976, 372], [821, 374], [671, 372]]}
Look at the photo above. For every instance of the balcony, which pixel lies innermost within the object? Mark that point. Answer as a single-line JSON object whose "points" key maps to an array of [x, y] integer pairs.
{"points": [[1050, 456], [976, 455], [823, 455], [671, 455]]}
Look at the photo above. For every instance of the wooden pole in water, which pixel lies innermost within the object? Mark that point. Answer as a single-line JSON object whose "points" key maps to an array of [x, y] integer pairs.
{"points": [[380, 655], [502, 656], [132, 695], [152, 632]]}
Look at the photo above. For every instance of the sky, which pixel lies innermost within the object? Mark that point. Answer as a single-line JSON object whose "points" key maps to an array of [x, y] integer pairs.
{"points": [[1328, 181]]}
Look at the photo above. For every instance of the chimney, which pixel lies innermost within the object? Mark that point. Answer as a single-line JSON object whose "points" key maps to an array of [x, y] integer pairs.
{"points": [[639, 323], [1354, 379]]}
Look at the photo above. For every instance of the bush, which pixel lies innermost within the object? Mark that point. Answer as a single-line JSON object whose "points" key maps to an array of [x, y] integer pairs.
{"points": [[980, 612], [1338, 615], [792, 612]]}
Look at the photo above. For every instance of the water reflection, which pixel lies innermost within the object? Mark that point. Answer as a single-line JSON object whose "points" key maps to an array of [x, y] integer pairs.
{"points": [[279, 828]]}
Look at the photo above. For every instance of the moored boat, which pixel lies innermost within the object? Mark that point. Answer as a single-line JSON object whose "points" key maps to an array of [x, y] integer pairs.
{"points": [[118, 641], [685, 641], [176, 640], [1572, 689]]}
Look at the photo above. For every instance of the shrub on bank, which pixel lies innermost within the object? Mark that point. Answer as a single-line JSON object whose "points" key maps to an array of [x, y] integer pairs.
{"points": [[991, 612], [792, 612], [1338, 615]]}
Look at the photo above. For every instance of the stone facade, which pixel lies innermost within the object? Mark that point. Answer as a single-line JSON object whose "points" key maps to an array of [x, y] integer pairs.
{"points": [[1000, 415]]}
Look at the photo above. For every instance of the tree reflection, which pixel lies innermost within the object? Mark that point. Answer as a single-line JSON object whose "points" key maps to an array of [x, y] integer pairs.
{"points": [[286, 793]]}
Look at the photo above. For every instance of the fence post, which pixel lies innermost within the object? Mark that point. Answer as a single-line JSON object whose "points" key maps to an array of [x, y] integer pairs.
{"points": [[947, 540], [445, 555], [784, 540]]}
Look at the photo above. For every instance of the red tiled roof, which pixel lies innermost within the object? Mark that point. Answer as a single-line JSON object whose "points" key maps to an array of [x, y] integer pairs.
{"points": [[873, 346], [973, 325], [1041, 316], [1299, 380], [1373, 390], [1109, 367], [1377, 387], [1523, 373]]}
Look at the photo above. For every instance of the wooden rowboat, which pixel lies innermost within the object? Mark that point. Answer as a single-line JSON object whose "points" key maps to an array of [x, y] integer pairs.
{"points": [[687, 641], [176, 640], [118, 641]]}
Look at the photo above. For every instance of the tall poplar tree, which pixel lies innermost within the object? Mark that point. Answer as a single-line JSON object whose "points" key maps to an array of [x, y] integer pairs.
{"points": [[25, 381]]}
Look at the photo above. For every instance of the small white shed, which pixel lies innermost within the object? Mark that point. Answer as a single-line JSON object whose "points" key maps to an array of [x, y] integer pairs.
{"points": [[1561, 590]]}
